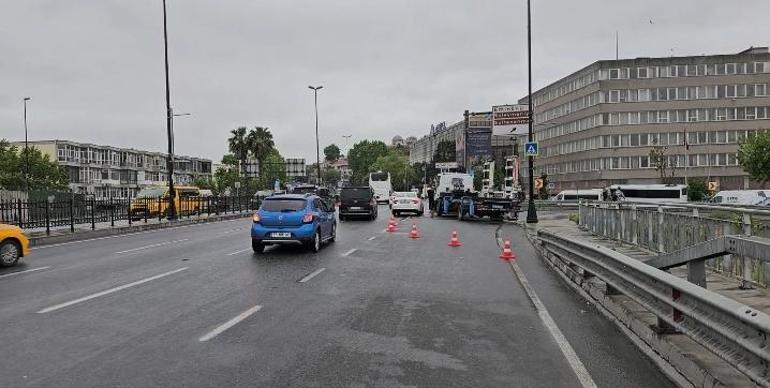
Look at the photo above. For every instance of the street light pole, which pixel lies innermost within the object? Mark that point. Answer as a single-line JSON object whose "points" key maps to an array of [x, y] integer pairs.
{"points": [[26, 147], [531, 211], [317, 143], [171, 213], [346, 137]]}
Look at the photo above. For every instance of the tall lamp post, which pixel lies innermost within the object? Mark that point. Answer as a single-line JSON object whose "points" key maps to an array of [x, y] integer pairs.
{"points": [[26, 147], [171, 213], [346, 137], [317, 144], [531, 211]]}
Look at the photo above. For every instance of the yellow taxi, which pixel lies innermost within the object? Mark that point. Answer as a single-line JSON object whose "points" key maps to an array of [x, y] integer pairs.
{"points": [[13, 245]]}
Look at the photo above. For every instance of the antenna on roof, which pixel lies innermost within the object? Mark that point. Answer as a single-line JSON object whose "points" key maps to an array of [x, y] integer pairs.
{"points": [[617, 46]]}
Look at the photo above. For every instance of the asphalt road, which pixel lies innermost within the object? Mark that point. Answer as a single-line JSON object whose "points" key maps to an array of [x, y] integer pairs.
{"points": [[193, 306]]}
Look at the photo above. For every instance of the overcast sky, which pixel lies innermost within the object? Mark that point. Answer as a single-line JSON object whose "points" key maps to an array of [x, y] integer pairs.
{"points": [[94, 69]]}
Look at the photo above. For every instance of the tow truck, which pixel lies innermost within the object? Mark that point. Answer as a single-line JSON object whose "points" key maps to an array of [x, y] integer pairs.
{"points": [[456, 197]]}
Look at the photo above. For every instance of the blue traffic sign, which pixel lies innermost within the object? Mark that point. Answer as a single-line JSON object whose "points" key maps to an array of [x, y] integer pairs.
{"points": [[531, 149]]}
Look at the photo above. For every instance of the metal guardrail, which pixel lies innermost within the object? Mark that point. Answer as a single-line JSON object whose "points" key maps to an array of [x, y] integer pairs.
{"points": [[671, 227], [735, 332]]}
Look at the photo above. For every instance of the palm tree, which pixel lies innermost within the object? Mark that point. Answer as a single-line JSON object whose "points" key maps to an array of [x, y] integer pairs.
{"points": [[239, 146], [259, 142]]}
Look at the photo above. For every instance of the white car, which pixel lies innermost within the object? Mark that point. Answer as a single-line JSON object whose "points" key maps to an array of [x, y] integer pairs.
{"points": [[407, 202]]}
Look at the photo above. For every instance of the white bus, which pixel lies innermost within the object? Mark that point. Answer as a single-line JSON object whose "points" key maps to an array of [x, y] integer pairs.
{"points": [[380, 182], [574, 195], [651, 193]]}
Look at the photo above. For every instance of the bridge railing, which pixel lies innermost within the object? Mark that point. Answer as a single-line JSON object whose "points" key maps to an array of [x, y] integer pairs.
{"points": [[665, 228], [733, 331]]}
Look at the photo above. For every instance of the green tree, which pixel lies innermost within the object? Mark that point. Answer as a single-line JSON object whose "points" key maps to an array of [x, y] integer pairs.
{"points": [[362, 156], [239, 146], [273, 167], [331, 176], [697, 189], [44, 174], [260, 143], [203, 183], [754, 156], [400, 149], [445, 152], [402, 175], [331, 153]]}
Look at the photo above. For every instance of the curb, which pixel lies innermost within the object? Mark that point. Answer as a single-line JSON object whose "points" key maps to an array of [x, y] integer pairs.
{"points": [[119, 230], [678, 364]]}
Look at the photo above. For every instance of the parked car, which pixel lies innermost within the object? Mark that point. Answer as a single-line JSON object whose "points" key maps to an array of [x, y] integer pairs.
{"points": [[13, 245], [357, 201], [305, 219], [407, 202]]}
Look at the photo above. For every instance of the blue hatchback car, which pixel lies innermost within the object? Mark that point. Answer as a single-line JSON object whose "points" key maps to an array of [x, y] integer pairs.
{"points": [[303, 219]]}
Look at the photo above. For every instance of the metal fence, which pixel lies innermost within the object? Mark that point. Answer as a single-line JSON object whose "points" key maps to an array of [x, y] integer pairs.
{"points": [[78, 210], [735, 332], [668, 228]]}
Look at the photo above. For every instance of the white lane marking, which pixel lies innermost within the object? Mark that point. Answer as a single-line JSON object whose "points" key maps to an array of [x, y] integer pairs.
{"points": [[237, 252], [152, 246], [312, 275], [566, 349], [131, 234], [372, 238], [350, 252], [221, 328], [7, 275], [110, 291]]}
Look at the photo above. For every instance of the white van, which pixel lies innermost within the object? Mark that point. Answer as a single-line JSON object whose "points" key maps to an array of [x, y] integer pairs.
{"points": [[742, 197], [574, 195]]}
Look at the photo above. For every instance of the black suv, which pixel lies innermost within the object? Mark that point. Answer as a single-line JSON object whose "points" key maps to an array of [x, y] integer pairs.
{"points": [[357, 201]]}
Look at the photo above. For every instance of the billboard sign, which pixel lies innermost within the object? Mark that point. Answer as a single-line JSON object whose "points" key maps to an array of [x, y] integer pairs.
{"points": [[478, 145], [509, 118]]}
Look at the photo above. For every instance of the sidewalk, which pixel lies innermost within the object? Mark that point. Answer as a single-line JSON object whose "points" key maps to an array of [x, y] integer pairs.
{"points": [[59, 234]]}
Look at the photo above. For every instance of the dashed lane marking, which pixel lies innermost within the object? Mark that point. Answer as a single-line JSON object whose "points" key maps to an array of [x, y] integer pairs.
{"points": [[237, 252], [152, 246], [7, 275], [312, 275], [221, 328], [110, 291], [372, 238], [350, 252]]}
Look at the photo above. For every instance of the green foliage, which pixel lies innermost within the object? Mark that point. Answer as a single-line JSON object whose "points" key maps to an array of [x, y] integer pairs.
{"points": [[225, 178], [543, 192], [331, 153], [257, 142], [697, 190], [230, 160], [362, 156], [272, 168], [203, 183], [44, 174], [400, 149], [754, 156], [331, 176], [445, 152], [402, 175]]}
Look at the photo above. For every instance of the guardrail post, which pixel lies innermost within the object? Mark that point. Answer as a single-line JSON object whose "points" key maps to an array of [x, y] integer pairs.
{"points": [[622, 229], [747, 264], [663, 327], [660, 229]]}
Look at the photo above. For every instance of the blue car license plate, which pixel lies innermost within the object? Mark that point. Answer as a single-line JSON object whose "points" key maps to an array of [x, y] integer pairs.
{"points": [[280, 235]]}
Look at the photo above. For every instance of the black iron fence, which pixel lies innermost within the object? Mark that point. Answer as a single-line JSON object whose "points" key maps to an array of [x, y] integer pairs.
{"points": [[57, 211]]}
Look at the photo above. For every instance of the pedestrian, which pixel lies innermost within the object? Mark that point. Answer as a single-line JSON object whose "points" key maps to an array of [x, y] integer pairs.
{"points": [[431, 198]]}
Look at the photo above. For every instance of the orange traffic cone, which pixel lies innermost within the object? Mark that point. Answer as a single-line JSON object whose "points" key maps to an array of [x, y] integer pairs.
{"points": [[391, 227], [392, 221], [454, 241], [507, 253], [414, 234]]}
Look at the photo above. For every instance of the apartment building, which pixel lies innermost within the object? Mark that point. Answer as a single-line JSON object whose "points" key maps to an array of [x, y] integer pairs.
{"points": [[422, 150], [597, 126], [106, 171]]}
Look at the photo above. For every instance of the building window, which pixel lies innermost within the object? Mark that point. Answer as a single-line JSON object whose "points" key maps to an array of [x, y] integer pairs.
{"points": [[614, 95], [644, 161], [730, 68], [643, 72], [644, 94], [614, 73], [760, 90], [663, 116]]}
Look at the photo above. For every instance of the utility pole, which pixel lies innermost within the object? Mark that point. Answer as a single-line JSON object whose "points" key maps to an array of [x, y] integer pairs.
{"points": [[531, 211], [26, 147], [317, 143], [171, 213]]}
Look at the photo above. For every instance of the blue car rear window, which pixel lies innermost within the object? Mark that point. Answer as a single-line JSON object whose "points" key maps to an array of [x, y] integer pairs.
{"points": [[283, 205]]}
